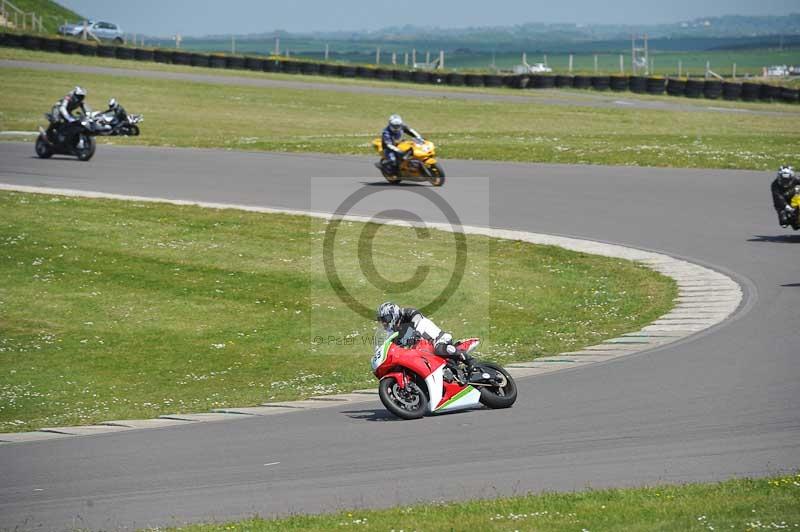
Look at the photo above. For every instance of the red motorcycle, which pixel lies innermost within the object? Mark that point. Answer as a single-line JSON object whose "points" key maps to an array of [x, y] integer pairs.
{"points": [[415, 381]]}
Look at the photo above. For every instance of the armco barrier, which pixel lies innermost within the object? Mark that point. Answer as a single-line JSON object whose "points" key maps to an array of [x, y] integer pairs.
{"points": [[769, 93], [712, 89], [601, 83], [143, 54], [123, 52], [656, 85], [618, 83], [694, 88], [638, 84], [731, 90], [217, 61], [750, 91], [563, 82], [789, 95], [105, 50], [32, 42], [676, 86]]}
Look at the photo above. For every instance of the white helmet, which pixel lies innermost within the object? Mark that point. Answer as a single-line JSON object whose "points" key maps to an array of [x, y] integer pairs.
{"points": [[112, 104], [395, 122], [388, 314], [79, 92], [785, 175]]}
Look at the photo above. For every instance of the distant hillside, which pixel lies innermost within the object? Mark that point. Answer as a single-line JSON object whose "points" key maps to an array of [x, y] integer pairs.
{"points": [[53, 14]]}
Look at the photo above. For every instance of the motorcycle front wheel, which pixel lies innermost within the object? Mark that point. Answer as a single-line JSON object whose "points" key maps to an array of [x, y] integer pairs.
{"points": [[501, 396], [43, 149], [437, 175], [89, 146], [134, 131], [406, 403]]}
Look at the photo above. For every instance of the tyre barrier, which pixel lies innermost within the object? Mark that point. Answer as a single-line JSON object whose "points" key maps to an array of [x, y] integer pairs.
{"points": [[365, 72], [638, 84], [104, 50], [143, 54], [563, 81], [492, 80], [162, 56], [200, 60], [217, 61], [309, 69], [731, 90], [31, 42], [383, 74], [402, 75], [789, 95], [234, 62], [438, 79], [542, 82], [52, 45], [254, 63], [769, 93], [454, 78], [271, 65], [518, 81], [750, 91], [420, 76], [327, 69], [618, 83], [182, 58], [14, 40], [582, 82], [90, 50], [290, 67], [473, 80], [676, 86], [656, 85], [123, 52], [712, 89], [694, 88], [347, 71], [601, 83]]}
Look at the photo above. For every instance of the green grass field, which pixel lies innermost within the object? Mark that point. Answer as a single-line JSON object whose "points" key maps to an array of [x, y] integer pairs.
{"points": [[740, 505], [119, 310], [53, 14], [253, 118]]}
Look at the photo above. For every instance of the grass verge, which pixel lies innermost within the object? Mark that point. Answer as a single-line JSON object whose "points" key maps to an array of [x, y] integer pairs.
{"points": [[119, 310], [278, 119], [746, 504]]}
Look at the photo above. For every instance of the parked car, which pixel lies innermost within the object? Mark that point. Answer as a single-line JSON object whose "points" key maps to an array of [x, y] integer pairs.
{"points": [[106, 31]]}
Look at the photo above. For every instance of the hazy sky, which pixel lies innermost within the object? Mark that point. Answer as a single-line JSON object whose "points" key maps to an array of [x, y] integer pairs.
{"points": [[202, 17]]}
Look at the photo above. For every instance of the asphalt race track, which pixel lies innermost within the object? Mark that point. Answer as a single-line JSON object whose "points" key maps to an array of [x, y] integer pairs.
{"points": [[724, 403]]}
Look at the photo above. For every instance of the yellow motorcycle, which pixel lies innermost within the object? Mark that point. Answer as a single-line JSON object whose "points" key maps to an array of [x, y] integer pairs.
{"points": [[419, 164]]}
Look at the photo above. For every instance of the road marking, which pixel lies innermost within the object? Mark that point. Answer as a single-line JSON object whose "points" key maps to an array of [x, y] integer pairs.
{"points": [[271, 463]]}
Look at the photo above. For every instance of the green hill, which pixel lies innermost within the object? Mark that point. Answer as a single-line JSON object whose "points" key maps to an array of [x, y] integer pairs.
{"points": [[53, 14]]}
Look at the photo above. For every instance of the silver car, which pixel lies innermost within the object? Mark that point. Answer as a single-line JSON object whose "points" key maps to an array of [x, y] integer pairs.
{"points": [[105, 31]]}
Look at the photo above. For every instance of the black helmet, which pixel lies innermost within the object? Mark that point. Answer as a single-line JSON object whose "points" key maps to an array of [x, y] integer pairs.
{"points": [[388, 314]]}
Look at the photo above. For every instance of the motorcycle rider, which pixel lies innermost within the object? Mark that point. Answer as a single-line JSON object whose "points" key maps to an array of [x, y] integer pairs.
{"points": [[411, 325], [390, 137], [62, 111], [783, 189], [117, 111]]}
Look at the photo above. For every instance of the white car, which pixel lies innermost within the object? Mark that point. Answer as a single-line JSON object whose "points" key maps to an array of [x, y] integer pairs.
{"points": [[538, 68], [106, 31]]}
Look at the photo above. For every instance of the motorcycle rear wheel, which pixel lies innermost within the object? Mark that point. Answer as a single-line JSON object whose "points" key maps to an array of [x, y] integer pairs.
{"points": [[437, 175], [498, 397], [134, 130], [43, 149], [89, 146], [408, 403]]}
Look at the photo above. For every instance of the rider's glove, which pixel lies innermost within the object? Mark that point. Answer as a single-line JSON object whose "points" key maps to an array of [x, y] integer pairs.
{"points": [[789, 209]]}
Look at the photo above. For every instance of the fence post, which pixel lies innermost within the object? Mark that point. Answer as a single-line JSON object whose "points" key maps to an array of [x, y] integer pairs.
{"points": [[621, 64], [734, 71], [405, 61], [441, 59], [327, 51], [680, 68], [413, 57], [595, 63], [378, 56], [570, 63], [394, 58]]}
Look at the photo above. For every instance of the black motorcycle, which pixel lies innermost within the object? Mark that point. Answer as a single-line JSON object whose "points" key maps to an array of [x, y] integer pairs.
{"points": [[74, 138]]}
